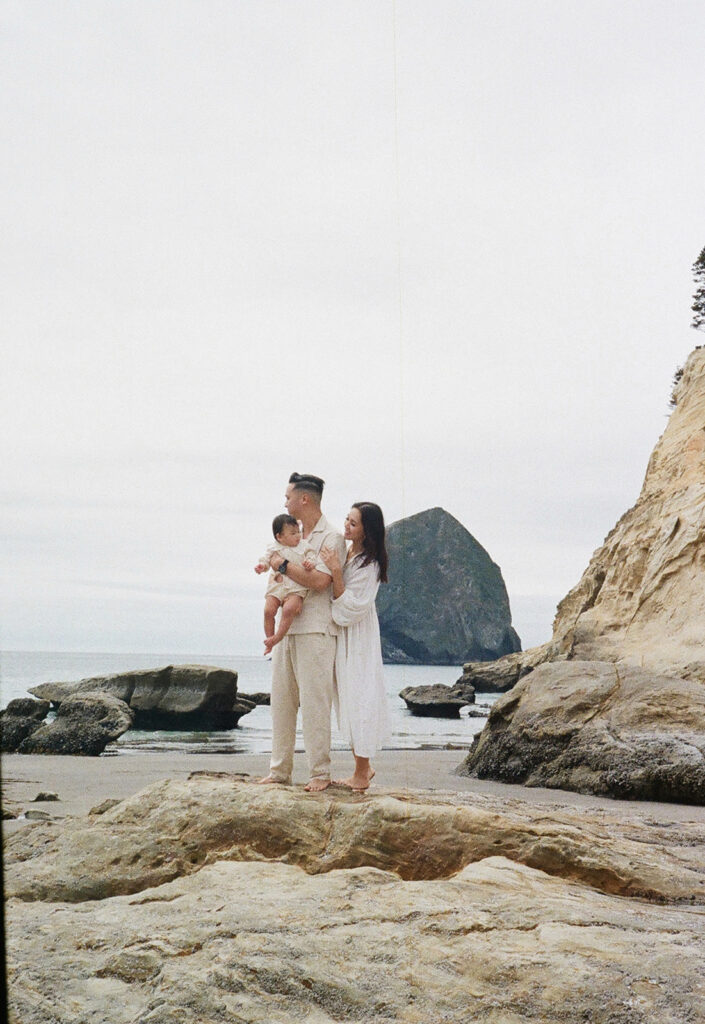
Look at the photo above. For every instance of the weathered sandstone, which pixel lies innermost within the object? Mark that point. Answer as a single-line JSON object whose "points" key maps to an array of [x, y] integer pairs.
{"points": [[174, 828], [642, 597], [406, 910], [598, 728]]}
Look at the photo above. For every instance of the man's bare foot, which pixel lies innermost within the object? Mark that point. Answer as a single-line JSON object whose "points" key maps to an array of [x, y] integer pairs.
{"points": [[316, 785], [358, 783], [269, 780]]}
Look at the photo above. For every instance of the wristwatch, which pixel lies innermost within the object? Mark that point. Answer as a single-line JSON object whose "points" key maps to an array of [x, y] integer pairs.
{"points": [[283, 567]]}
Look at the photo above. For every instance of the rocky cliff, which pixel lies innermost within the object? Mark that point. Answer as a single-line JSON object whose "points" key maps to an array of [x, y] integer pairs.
{"points": [[618, 707], [641, 599], [446, 601]]}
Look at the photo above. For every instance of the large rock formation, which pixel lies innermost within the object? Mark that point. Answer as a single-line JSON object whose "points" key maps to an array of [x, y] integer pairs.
{"points": [[214, 900], [639, 606], [641, 599], [174, 697], [445, 601]]}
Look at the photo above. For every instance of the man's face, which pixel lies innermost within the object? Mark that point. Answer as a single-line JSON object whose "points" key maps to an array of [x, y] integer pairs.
{"points": [[293, 501]]}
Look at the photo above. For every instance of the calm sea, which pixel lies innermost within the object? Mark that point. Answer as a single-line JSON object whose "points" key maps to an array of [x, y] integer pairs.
{"points": [[21, 669]]}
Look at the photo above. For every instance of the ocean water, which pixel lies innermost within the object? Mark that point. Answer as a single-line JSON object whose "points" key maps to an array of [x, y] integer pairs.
{"points": [[21, 669]]}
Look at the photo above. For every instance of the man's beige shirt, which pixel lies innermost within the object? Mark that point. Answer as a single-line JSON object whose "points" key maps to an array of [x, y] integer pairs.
{"points": [[316, 615]]}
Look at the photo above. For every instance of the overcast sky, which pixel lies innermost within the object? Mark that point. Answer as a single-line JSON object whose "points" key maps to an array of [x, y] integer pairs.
{"points": [[237, 244]]}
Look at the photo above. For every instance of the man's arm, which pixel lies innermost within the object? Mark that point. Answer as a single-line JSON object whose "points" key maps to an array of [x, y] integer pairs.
{"points": [[313, 579]]}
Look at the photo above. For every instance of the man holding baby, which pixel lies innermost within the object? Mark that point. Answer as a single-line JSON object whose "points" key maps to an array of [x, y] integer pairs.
{"points": [[303, 661]]}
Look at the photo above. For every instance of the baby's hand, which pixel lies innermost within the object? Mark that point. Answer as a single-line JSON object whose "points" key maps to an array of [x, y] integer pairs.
{"points": [[278, 577], [260, 568], [308, 565]]}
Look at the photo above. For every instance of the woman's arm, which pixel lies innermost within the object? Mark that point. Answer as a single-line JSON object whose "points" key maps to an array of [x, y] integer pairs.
{"points": [[358, 596]]}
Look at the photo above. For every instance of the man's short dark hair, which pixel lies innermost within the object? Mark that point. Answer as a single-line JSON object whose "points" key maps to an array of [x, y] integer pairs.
{"points": [[307, 482], [280, 521]]}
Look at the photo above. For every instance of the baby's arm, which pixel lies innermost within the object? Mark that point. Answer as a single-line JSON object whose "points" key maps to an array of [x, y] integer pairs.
{"points": [[263, 563]]}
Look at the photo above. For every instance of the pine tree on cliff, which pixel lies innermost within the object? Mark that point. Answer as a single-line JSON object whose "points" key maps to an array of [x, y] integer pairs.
{"points": [[698, 306]]}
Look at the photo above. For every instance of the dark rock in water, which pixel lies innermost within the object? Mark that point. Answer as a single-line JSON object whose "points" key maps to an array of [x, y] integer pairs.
{"points": [[177, 697], [446, 602], [499, 676], [20, 719], [85, 723], [435, 701], [257, 698], [594, 727]]}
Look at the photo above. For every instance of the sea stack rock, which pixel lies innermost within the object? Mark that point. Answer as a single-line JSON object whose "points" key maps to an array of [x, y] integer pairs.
{"points": [[446, 601]]}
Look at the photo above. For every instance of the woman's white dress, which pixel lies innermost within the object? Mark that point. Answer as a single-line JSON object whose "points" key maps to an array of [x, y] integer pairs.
{"points": [[361, 703]]}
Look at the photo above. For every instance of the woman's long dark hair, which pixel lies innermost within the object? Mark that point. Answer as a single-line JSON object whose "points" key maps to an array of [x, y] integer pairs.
{"points": [[373, 547]]}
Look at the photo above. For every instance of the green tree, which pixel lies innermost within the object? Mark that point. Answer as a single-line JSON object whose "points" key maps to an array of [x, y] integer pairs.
{"points": [[698, 306]]}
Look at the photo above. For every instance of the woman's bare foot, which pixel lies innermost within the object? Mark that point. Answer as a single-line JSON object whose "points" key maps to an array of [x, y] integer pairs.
{"points": [[316, 785], [269, 780]]}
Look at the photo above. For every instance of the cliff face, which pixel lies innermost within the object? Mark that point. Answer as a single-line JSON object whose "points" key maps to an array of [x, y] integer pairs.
{"points": [[446, 600], [641, 599]]}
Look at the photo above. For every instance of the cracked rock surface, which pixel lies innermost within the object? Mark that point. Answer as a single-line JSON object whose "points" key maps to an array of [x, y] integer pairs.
{"points": [[216, 900]]}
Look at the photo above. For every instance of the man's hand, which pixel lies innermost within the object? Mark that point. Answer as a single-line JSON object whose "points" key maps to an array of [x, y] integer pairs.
{"points": [[276, 561]]}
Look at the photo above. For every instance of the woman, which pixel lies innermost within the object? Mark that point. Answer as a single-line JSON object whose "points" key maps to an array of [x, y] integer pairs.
{"points": [[361, 704]]}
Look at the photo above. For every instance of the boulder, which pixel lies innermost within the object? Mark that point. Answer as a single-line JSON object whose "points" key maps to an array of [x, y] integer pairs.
{"points": [[613, 730], [436, 701], [85, 723], [174, 697], [213, 900], [499, 676], [20, 719], [445, 601]]}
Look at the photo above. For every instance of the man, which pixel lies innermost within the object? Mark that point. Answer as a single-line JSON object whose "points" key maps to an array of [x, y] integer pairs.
{"points": [[303, 661]]}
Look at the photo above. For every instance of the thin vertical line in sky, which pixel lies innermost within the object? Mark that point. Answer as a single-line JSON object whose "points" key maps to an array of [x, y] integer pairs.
{"points": [[397, 179]]}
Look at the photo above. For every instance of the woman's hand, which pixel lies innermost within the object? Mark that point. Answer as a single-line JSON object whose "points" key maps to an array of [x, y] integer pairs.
{"points": [[330, 559]]}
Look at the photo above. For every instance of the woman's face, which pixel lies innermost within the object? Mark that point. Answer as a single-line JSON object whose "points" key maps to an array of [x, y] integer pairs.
{"points": [[353, 526]]}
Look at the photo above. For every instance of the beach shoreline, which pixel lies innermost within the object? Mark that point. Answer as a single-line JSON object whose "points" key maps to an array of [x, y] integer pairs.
{"points": [[83, 783]]}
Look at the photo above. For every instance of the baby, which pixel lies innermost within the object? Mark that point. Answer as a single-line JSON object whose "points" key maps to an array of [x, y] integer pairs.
{"points": [[282, 591]]}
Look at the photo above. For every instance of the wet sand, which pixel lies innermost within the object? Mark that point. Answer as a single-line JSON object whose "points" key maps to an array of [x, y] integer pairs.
{"points": [[84, 782]]}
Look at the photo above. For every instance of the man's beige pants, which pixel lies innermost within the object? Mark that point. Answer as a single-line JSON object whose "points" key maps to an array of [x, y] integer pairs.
{"points": [[303, 666]]}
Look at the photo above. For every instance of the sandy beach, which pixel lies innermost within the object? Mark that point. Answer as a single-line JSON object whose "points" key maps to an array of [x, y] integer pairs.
{"points": [[84, 782]]}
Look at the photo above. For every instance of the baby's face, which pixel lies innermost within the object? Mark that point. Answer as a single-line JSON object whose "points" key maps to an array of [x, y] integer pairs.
{"points": [[290, 535]]}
